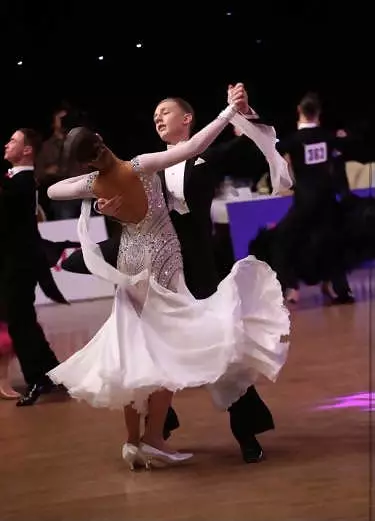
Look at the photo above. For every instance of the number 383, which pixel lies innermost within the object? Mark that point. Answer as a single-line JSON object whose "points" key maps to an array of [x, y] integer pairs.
{"points": [[315, 153]]}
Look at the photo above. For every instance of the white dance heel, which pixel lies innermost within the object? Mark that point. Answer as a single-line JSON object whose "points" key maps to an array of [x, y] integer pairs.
{"points": [[155, 456], [133, 456]]}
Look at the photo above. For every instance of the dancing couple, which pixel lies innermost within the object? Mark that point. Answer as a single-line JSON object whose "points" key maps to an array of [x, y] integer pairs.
{"points": [[159, 339]]}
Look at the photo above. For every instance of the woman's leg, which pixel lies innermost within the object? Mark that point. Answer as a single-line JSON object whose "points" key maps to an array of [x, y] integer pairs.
{"points": [[157, 411], [132, 422], [6, 390]]}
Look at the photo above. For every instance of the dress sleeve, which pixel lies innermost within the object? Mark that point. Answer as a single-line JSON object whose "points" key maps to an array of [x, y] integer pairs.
{"points": [[151, 163], [79, 187]]}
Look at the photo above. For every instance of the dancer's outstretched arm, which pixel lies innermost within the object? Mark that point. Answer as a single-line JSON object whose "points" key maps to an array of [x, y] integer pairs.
{"points": [[78, 187], [72, 188], [151, 163]]}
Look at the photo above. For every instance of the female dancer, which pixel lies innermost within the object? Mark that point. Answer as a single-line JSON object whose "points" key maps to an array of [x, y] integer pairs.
{"points": [[158, 338]]}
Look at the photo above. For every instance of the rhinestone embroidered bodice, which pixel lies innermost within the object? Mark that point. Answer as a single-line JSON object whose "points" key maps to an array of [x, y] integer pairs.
{"points": [[152, 243]]}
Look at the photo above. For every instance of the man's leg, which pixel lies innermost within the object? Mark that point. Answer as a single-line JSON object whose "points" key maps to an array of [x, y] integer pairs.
{"points": [[33, 351], [250, 416]]}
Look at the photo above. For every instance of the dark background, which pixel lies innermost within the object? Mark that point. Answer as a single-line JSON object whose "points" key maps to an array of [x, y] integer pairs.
{"points": [[189, 49]]}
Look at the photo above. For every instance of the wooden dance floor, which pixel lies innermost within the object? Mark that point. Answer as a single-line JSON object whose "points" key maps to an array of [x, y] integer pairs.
{"points": [[60, 460]]}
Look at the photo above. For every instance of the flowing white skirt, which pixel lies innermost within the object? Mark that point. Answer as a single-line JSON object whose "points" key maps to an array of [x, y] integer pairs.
{"points": [[175, 342]]}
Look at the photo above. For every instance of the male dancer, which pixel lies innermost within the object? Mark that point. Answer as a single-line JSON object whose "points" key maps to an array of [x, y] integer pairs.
{"points": [[23, 264], [189, 190], [307, 242]]}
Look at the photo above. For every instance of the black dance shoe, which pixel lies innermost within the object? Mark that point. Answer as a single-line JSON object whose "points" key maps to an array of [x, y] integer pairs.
{"points": [[252, 451], [34, 392]]}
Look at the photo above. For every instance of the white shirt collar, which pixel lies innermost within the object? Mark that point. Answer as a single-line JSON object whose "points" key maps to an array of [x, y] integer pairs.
{"points": [[172, 146], [306, 125], [17, 169]]}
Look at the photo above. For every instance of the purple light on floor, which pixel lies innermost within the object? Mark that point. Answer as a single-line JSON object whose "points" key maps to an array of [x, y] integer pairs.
{"points": [[362, 401]]}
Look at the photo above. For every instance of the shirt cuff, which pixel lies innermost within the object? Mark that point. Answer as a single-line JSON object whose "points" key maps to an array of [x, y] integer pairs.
{"points": [[95, 206], [250, 114]]}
